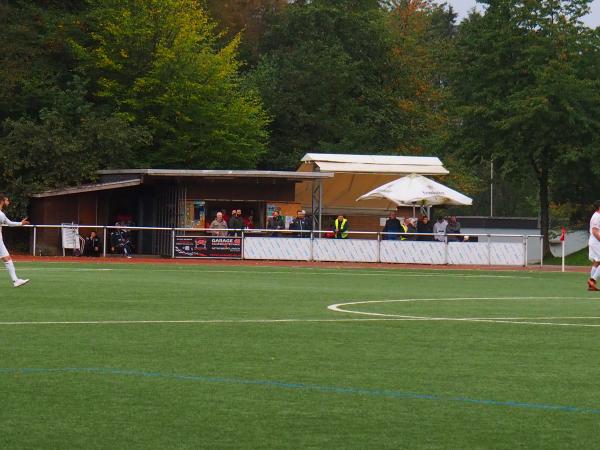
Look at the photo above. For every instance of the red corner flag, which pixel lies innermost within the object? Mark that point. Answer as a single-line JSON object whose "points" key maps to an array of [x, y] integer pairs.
{"points": [[563, 234]]}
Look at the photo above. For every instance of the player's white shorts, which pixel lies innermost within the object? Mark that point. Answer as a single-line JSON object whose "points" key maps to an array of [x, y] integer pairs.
{"points": [[595, 252], [3, 250]]}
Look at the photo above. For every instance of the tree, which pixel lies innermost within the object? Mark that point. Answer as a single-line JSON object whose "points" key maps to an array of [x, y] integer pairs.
{"points": [[34, 59], [522, 97], [249, 18], [65, 145], [158, 64], [50, 134], [422, 34], [342, 77]]}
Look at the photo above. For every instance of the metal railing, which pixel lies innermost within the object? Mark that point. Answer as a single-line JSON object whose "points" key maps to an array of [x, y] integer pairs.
{"points": [[377, 240]]}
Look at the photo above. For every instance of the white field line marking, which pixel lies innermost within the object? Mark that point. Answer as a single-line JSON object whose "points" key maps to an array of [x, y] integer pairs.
{"points": [[215, 321], [67, 269], [279, 272], [511, 320]]}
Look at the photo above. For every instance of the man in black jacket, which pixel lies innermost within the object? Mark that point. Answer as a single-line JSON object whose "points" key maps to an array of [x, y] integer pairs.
{"points": [[275, 222], [236, 223], [92, 245], [453, 228], [425, 226], [301, 224], [392, 225]]}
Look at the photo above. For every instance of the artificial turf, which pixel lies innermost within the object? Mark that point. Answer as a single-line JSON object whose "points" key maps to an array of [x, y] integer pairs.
{"points": [[263, 363]]}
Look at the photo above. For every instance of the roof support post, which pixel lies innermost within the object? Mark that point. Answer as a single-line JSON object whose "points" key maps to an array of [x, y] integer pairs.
{"points": [[317, 200]]}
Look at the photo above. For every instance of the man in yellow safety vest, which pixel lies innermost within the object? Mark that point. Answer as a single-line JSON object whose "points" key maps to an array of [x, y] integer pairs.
{"points": [[341, 227], [404, 225]]}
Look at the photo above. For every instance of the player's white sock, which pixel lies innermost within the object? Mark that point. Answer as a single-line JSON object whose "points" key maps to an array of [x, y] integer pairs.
{"points": [[11, 270], [596, 273], [592, 272]]}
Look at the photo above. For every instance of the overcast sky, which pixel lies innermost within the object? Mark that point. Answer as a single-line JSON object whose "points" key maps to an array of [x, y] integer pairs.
{"points": [[463, 6]]}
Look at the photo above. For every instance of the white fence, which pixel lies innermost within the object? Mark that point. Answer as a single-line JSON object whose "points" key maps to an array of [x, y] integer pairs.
{"points": [[511, 251], [480, 249]]}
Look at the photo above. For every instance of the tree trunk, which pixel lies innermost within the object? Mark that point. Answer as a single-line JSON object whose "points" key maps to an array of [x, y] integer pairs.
{"points": [[544, 207]]}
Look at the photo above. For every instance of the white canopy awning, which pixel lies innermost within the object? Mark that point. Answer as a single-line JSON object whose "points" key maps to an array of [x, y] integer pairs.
{"points": [[357, 174], [416, 189], [379, 164]]}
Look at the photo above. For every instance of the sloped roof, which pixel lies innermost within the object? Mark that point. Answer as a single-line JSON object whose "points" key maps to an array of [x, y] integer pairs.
{"points": [[218, 173], [90, 188]]}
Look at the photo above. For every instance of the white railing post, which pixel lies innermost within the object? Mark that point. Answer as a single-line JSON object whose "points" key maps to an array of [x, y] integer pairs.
{"points": [[104, 241], [542, 250], [378, 247], [173, 243], [525, 239], [242, 242], [34, 240], [446, 251], [489, 246]]}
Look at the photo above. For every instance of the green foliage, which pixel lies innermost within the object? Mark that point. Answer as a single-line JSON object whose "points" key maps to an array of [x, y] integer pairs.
{"points": [[338, 77], [34, 59], [158, 63], [67, 143], [171, 87], [249, 18], [523, 97]]}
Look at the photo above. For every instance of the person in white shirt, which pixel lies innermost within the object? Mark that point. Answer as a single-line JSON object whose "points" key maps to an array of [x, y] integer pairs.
{"points": [[4, 255], [594, 248], [439, 229]]}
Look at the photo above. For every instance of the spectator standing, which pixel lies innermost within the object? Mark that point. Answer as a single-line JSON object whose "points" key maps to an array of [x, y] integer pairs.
{"points": [[301, 224], [341, 227], [219, 225], [92, 245], [392, 225], [409, 225], [439, 229], [249, 222], [453, 227], [236, 223], [424, 226], [225, 215], [276, 223], [404, 229]]}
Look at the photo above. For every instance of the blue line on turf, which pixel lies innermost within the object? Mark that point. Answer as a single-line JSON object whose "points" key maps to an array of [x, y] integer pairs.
{"points": [[312, 387]]}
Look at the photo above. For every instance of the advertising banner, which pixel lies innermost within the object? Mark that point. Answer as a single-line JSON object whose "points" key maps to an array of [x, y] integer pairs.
{"points": [[208, 247]]}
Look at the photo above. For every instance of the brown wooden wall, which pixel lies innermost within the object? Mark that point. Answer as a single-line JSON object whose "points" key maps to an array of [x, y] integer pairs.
{"points": [[76, 208], [91, 208], [277, 190]]}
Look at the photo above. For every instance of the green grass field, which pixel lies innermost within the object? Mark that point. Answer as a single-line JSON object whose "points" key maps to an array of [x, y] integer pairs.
{"points": [[187, 357], [580, 258]]}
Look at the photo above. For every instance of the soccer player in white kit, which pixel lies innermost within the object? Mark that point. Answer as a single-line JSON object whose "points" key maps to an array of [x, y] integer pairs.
{"points": [[4, 255], [594, 246]]}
